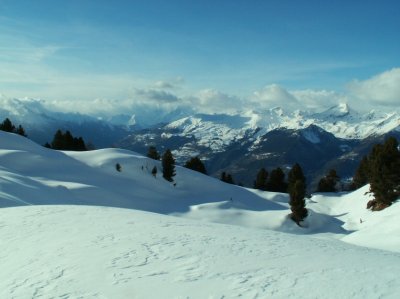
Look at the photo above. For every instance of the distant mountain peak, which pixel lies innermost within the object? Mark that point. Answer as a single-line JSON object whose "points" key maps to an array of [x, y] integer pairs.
{"points": [[339, 110]]}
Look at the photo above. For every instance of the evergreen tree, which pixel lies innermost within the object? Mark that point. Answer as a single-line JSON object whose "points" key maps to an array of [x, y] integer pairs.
{"points": [[58, 141], [329, 182], [20, 131], [223, 176], [360, 178], [68, 141], [152, 153], [276, 182], [297, 192], [384, 177], [297, 202], [196, 165], [296, 173], [79, 144], [65, 141], [227, 178], [261, 180], [7, 126], [168, 164]]}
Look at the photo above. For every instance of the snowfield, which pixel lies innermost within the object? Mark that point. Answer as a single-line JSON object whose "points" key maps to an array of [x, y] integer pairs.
{"points": [[71, 226], [97, 252]]}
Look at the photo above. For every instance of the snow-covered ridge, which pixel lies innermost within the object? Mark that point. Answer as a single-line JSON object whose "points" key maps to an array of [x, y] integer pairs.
{"points": [[342, 121]]}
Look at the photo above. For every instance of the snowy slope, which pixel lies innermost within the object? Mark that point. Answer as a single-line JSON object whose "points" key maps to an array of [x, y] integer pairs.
{"points": [[32, 174], [70, 250], [93, 252]]}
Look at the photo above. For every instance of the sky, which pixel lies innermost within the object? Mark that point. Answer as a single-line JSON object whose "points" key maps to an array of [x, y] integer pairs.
{"points": [[210, 55]]}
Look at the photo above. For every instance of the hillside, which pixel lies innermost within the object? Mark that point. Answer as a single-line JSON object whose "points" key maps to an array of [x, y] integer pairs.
{"points": [[72, 239]]}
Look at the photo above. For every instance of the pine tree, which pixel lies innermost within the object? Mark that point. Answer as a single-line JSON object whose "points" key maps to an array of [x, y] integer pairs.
{"points": [[7, 126], [152, 153], [65, 141], [68, 141], [261, 179], [384, 167], [196, 164], [168, 164], [79, 144], [227, 178], [360, 178], [20, 131], [223, 176], [297, 192], [58, 141], [276, 182], [297, 202], [296, 173], [329, 182]]}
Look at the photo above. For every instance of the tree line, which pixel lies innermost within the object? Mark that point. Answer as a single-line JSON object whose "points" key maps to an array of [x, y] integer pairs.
{"points": [[8, 126], [66, 142]]}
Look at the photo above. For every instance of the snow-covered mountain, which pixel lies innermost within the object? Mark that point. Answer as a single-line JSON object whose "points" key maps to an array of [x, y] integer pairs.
{"points": [[215, 131], [340, 120], [240, 143], [243, 143], [64, 235]]}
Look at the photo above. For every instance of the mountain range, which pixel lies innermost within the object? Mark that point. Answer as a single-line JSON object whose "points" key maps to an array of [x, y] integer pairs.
{"points": [[238, 143], [243, 143]]}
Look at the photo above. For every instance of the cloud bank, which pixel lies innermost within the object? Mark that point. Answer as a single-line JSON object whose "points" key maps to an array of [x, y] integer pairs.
{"points": [[153, 102], [380, 90]]}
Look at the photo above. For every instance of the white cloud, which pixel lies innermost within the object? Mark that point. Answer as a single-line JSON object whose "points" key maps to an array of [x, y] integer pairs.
{"points": [[382, 89], [318, 99], [215, 101], [155, 96], [275, 96], [169, 84]]}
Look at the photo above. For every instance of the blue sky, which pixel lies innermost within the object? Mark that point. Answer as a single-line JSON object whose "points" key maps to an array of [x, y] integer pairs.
{"points": [[81, 50]]}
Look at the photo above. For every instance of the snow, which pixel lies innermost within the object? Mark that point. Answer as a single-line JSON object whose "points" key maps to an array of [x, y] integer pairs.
{"points": [[95, 252], [71, 226]]}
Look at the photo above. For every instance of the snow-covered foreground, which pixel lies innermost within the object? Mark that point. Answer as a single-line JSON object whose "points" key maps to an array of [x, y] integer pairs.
{"points": [[63, 233], [97, 252]]}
